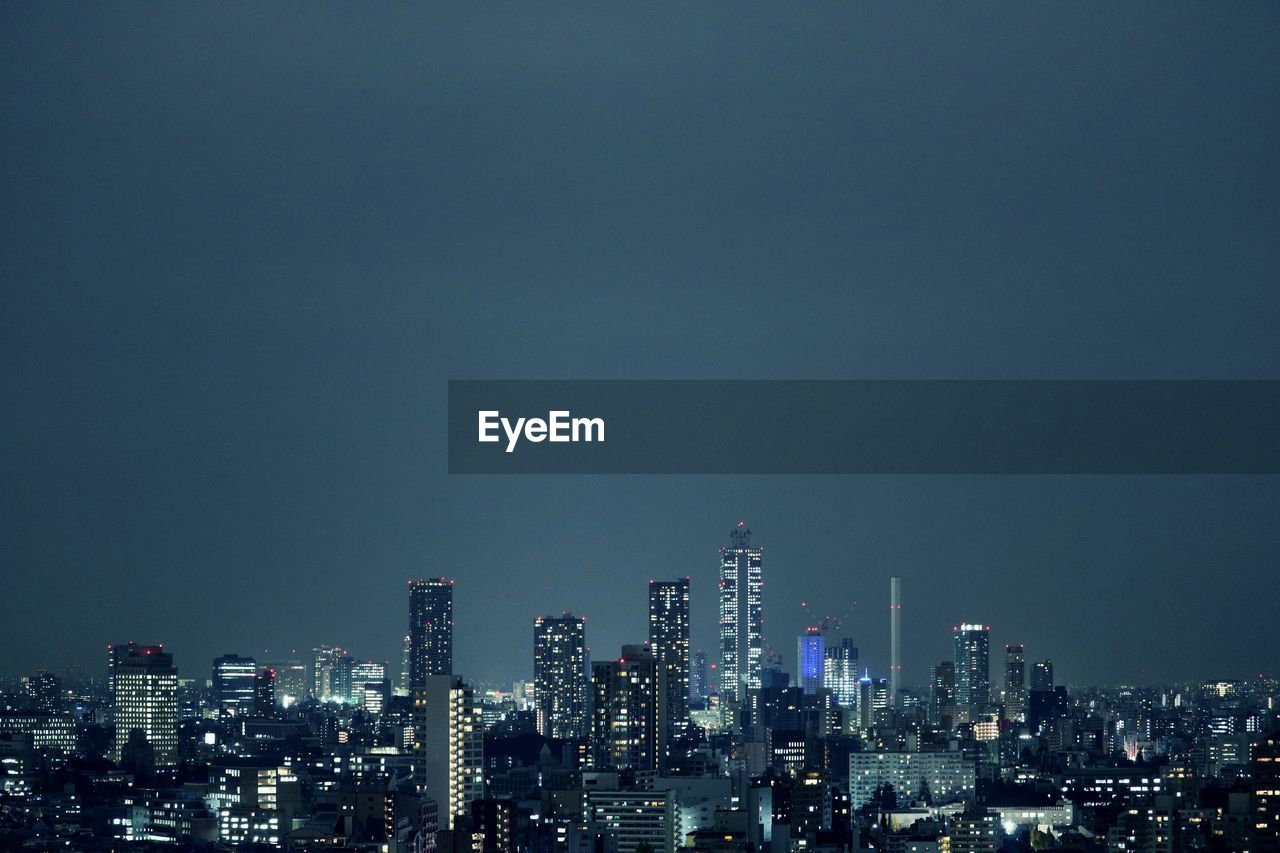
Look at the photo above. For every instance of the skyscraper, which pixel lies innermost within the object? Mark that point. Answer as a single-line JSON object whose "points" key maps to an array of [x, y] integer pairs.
{"points": [[323, 660], [669, 642], [873, 697], [560, 676], [699, 675], [430, 629], [264, 692], [1042, 705], [626, 721], [233, 684], [973, 667], [405, 677], [290, 680], [1042, 676], [363, 675], [811, 659], [741, 614], [840, 672], [449, 744], [145, 686], [942, 693], [1015, 682]]}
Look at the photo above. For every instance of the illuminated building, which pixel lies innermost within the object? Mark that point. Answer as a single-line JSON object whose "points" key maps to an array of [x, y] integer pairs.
{"points": [[290, 681], [171, 817], [1265, 799], [264, 692], [948, 774], [45, 690], [145, 688], [840, 672], [699, 678], [1042, 704], [495, 821], [244, 794], [625, 714], [810, 660], [986, 727], [1095, 787], [873, 698], [637, 818], [669, 644], [364, 675], [973, 667], [47, 730], [449, 745], [233, 678], [560, 676], [942, 693], [1015, 682], [406, 667], [1042, 676], [741, 615], [975, 830], [323, 661], [371, 695], [430, 629]]}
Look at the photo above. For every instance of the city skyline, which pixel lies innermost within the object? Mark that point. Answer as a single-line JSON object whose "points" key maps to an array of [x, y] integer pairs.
{"points": [[779, 650]]}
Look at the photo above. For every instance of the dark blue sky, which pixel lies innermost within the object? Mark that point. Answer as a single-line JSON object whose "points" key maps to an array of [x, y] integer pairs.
{"points": [[243, 248]]}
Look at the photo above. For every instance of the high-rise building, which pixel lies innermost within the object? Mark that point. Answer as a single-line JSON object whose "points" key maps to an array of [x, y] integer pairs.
{"points": [[323, 660], [403, 683], [811, 660], [1042, 676], [264, 692], [448, 744], [1015, 682], [560, 691], [340, 678], [942, 693], [973, 667], [145, 686], [364, 674], [669, 643], [873, 698], [430, 629], [291, 679], [699, 678], [1264, 774], [44, 689], [741, 614], [233, 678], [840, 672], [626, 719]]}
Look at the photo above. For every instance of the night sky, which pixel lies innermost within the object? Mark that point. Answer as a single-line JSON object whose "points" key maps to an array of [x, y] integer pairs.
{"points": [[243, 247]]}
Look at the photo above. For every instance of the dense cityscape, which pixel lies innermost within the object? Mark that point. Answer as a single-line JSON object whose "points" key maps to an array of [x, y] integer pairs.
{"points": [[661, 748]]}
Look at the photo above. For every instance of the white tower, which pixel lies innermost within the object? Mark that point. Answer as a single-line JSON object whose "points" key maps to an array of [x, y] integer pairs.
{"points": [[895, 639]]}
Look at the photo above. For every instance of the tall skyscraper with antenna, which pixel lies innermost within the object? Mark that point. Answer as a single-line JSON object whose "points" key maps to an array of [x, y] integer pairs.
{"points": [[741, 614]]}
